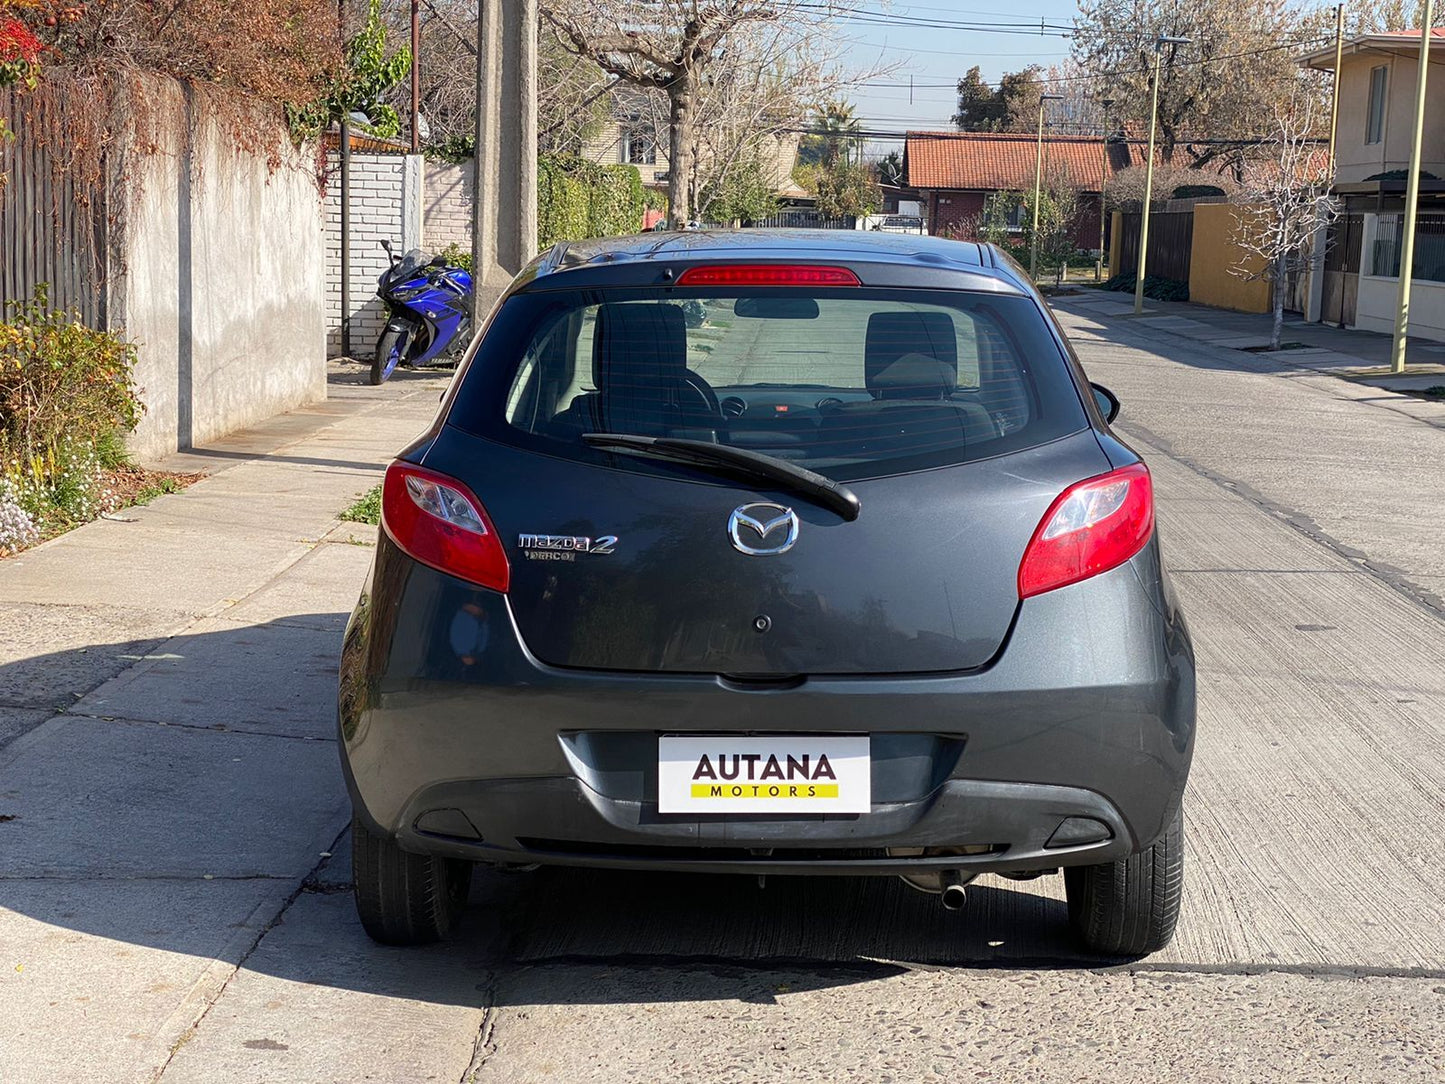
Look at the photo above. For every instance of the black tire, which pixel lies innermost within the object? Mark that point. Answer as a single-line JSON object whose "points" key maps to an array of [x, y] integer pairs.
{"points": [[384, 346], [1129, 907], [403, 898]]}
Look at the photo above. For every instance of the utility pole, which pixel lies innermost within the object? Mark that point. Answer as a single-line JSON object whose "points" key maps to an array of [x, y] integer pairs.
{"points": [[1105, 103], [1159, 44], [1335, 95], [504, 207], [1038, 187], [415, 76], [1412, 193]]}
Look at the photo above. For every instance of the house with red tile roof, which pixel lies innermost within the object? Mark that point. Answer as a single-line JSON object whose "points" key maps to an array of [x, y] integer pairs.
{"points": [[956, 172]]}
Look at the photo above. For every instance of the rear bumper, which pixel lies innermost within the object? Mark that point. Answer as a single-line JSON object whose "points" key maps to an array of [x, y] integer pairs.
{"points": [[561, 821], [465, 745]]}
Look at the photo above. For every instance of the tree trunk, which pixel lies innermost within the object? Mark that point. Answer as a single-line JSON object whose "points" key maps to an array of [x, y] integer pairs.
{"points": [[681, 93], [1281, 284]]}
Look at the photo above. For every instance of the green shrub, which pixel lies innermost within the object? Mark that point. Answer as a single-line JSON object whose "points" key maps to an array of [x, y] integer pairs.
{"points": [[615, 205], [561, 202], [577, 199], [457, 256], [1160, 289], [66, 402]]}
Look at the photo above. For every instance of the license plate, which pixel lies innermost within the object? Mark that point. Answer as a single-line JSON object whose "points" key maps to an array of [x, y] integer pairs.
{"points": [[739, 774]]}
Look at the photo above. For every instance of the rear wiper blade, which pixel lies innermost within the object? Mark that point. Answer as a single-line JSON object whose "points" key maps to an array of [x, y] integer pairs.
{"points": [[700, 453]]}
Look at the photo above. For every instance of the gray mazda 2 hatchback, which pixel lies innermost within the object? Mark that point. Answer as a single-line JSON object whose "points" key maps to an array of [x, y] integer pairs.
{"points": [[771, 553]]}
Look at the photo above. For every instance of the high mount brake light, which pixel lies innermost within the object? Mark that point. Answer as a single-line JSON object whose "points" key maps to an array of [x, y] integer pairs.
{"points": [[1092, 526], [767, 274], [438, 521]]}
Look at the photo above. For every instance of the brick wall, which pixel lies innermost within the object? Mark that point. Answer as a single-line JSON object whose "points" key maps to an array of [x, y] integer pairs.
{"points": [[447, 193], [386, 204]]}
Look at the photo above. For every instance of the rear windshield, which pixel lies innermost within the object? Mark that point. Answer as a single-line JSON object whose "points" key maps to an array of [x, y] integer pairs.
{"points": [[852, 383]]}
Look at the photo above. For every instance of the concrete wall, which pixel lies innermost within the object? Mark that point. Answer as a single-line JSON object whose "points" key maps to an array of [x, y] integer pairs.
{"points": [[218, 278], [1214, 253], [386, 204], [1379, 298], [1358, 159], [447, 196]]}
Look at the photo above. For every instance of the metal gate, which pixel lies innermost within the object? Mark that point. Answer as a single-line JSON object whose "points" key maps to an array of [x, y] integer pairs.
{"points": [[1171, 243], [52, 230], [1342, 270]]}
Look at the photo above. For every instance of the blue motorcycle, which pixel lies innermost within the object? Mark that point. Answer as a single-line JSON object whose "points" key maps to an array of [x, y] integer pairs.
{"points": [[430, 304]]}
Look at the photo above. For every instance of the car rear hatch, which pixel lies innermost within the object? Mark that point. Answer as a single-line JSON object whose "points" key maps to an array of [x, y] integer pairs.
{"points": [[951, 418], [925, 579]]}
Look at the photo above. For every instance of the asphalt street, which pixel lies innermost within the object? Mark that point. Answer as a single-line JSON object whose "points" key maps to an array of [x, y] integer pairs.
{"points": [[173, 900]]}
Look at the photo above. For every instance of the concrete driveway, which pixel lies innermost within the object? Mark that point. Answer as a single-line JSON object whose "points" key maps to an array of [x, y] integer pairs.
{"points": [[173, 898]]}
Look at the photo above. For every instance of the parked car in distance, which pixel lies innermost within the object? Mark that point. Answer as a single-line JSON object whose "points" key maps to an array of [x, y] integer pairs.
{"points": [[771, 552]]}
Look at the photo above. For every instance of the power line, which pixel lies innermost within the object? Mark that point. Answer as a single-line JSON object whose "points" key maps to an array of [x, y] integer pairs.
{"points": [[950, 52], [1096, 76]]}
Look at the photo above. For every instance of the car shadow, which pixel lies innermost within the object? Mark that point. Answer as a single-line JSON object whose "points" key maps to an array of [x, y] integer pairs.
{"points": [[179, 805]]}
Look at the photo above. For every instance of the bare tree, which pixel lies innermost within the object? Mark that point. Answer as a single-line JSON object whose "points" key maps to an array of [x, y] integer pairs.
{"points": [[572, 91], [1239, 55], [684, 49], [1285, 206]]}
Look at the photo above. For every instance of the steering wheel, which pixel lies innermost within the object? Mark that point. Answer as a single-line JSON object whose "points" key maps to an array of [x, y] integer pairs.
{"points": [[703, 390]]}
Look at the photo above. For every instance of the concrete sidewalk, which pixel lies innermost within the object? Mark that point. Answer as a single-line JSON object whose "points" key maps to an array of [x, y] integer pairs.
{"points": [[167, 765], [1362, 356]]}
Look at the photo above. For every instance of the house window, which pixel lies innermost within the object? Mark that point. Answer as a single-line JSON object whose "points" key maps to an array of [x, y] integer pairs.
{"points": [[639, 148], [1375, 123]]}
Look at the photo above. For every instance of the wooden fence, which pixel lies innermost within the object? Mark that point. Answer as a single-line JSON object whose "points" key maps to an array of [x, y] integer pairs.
{"points": [[53, 231]]}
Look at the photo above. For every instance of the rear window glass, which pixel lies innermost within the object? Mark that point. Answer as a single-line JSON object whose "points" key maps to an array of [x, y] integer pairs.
{"points": [[851, 383]]}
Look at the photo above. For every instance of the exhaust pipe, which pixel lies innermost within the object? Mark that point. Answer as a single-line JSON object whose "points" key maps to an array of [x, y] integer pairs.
{"points": [[954, 895]]}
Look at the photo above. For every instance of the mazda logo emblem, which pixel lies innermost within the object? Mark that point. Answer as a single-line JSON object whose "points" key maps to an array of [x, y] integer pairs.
{"points": [[760, 530]]}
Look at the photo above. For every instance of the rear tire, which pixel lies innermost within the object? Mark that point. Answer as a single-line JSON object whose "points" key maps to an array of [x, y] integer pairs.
{"points": [[404, 898], [393, 340], [1129, 907]]}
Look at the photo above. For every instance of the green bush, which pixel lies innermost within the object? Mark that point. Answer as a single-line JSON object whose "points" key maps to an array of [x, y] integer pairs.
{"points": [[577, 199], [561, 202], [66, 402], [457, 256], [1160, 289], [616, 203]]}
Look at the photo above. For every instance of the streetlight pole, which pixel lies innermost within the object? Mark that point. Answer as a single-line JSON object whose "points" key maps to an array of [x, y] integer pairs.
{"points": [[1105, 103], [1038, 187], [1412, 193], [1335, 91], [1159, 44]]}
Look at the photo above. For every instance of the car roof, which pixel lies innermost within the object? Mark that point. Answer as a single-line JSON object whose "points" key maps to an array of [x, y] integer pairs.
{"points": [[879, 258]]}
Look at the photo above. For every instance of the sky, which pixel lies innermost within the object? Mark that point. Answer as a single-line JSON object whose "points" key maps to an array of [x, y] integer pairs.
{"points": [[879, 33]]}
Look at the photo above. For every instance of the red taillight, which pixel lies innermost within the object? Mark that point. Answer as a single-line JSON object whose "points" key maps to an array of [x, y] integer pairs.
{"points": [[1093, 526], [438, 521], [767, 274]]}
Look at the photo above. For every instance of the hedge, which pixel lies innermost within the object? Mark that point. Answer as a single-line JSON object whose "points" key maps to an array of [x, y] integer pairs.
{"points": [[578, 199]]}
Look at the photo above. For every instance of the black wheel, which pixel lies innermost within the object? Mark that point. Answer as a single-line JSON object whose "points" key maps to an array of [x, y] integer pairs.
{"points": [[390, 352], [403, 898], [1129, 907]]}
